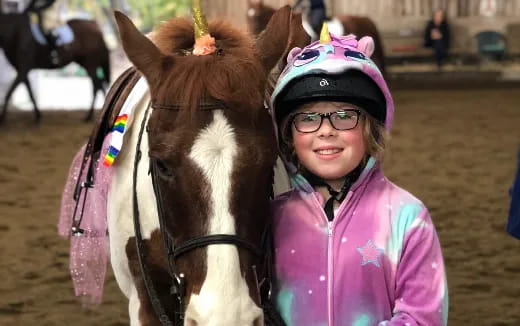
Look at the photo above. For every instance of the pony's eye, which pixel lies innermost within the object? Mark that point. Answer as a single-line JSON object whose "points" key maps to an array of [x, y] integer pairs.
{"points": [[162, 168], [306, 57], [354, 54]]}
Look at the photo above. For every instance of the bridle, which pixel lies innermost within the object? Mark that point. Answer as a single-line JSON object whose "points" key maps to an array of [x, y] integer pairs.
{"points": [[177, 289]]}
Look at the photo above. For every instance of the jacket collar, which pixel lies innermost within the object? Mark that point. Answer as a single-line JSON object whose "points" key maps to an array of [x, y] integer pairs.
{"points": [[299, 182]]}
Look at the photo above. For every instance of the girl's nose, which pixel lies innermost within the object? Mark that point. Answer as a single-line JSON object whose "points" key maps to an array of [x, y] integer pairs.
{"points": [[326, 129]]}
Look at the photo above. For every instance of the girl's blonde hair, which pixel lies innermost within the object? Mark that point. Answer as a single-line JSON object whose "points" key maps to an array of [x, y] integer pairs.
{"points": [[375, 136]]}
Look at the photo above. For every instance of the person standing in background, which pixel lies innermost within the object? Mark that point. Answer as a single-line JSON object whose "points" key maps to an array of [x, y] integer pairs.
{"points": [[317, 13], [513, 220], [437, 37]]}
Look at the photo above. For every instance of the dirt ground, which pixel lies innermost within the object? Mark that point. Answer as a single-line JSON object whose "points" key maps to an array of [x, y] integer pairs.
{"points": [[455, 150]]}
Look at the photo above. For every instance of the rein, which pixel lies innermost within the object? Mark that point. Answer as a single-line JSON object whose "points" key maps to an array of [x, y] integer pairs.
{"points": [[177, 289]]}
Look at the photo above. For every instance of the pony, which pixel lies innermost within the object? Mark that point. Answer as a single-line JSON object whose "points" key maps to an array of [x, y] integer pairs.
{"points": [[24, 53], [188, 221], [258, 15]]}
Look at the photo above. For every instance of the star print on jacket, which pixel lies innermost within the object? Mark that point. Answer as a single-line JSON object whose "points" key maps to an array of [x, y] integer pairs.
{"points": [[370, 253]]}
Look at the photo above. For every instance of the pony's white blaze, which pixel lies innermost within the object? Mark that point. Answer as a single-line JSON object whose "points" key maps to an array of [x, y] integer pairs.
{"points": [[224, 296]]}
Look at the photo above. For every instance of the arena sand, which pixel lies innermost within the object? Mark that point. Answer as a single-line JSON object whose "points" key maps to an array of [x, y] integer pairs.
{"points": [[455, 150]]}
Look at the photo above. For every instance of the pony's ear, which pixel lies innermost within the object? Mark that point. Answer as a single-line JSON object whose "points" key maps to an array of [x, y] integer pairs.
{"points": [[144, 55], [284, 32], [298, 37]]}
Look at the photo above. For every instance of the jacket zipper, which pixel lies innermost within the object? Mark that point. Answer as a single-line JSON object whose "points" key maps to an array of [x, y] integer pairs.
{"points": [[330, 261], [329, 272], [330, 242]]}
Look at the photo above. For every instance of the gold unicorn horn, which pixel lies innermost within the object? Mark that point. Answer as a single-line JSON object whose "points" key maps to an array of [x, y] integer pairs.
{"points": [[204, 43], [324, 34], [200, 23]]}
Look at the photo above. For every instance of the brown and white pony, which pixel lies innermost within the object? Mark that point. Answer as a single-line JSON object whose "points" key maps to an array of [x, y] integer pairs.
{"points": [[210, 144], [258, 14]]}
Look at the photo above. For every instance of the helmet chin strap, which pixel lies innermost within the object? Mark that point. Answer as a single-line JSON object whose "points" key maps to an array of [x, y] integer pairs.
{"points": [[338, 196]]}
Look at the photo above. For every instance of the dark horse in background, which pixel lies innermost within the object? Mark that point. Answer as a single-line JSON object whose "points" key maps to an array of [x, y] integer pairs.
{"points": [[258, 14], [24, 53]]}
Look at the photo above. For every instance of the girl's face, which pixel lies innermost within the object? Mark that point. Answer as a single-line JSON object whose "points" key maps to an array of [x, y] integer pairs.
{"points": [[438, 17], [327, 152]]}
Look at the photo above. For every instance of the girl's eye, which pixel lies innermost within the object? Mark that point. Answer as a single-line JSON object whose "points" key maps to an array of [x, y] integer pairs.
{"points": [[310, 117], [342, 115], [306, 57]]}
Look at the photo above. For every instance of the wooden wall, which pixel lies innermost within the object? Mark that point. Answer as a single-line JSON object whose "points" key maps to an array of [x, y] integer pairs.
{"points": [[376, 9]]}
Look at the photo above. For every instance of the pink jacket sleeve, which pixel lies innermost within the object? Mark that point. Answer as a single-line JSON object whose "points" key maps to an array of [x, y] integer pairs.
{"points": [[421, 288]]}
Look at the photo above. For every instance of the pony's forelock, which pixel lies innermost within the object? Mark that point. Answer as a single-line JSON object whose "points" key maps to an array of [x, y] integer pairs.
{"points": [[219, 76]]}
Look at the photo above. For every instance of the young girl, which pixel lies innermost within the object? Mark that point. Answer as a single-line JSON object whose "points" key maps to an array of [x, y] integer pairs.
{"points": [[351, 247]]}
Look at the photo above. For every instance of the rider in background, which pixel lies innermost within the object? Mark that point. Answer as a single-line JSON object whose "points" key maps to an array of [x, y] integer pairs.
{"points": [[317, 13], [48, 18]]}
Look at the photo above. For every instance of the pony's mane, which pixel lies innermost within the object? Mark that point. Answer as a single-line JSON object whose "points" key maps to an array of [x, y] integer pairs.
{"points": [[232, 75]]}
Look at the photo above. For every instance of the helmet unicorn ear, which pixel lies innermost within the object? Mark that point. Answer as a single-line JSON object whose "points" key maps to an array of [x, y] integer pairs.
{"points": [[294, 52], [366, 45]]}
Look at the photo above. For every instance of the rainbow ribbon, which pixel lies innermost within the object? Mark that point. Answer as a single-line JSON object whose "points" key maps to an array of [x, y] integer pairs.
{"points": [[124, 120], [117, 140]]}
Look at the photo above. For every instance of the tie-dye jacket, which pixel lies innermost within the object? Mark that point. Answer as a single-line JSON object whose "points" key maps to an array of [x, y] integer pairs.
{"points": [[379, 262]]}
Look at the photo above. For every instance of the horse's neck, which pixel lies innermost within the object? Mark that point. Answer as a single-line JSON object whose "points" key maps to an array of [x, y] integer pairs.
{"points": [[122, 181], [15, 32], [281, 182], [8, 43], [134, 106]]}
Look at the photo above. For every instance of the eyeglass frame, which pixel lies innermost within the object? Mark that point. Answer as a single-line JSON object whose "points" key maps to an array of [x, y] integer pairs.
{"points": [[327, 116]]}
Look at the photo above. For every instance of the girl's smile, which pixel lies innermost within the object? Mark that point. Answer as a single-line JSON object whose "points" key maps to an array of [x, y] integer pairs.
{"points": [[329, 153]]}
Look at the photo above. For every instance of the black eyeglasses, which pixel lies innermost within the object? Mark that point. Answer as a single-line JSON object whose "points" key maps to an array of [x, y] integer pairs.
{"points": [[308, 122]]}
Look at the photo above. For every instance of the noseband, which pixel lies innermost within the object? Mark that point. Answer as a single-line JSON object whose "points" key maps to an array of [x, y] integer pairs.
{"points": [[177, 289]]}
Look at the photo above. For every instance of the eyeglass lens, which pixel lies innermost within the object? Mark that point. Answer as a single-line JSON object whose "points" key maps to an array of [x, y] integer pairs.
{"points": [[312, 121]]}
